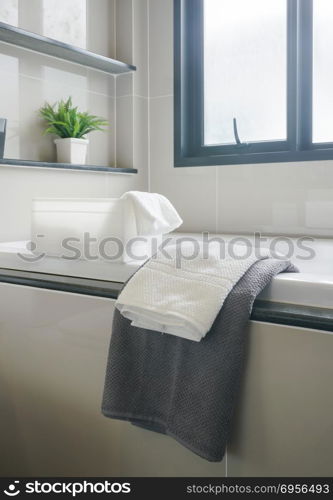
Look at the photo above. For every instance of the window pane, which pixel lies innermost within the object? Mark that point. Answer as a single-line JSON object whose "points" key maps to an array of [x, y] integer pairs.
{"points": [[322, 71], [245, 76]]}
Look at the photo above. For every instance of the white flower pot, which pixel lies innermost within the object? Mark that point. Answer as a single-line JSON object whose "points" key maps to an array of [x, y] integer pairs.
{"points": [[71, 150]]}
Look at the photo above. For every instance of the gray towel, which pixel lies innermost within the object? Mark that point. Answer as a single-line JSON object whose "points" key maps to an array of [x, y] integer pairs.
{"points": [[181, 388]]}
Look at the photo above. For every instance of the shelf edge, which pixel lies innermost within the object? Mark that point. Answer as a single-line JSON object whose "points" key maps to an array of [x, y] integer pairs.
{"points": [[10, 162], [55, 48]]}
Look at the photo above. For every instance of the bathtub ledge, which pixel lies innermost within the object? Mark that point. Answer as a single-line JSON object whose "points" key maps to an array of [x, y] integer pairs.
{"points": [[314, 318], [70, 284], [293, 315]]}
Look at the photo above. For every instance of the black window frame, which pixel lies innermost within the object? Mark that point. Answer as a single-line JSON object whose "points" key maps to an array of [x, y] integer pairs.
{"points": [[188, 95]]}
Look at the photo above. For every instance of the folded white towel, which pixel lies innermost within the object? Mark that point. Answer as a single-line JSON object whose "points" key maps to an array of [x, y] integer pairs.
{"points": [[182, 297], [153, 212]]}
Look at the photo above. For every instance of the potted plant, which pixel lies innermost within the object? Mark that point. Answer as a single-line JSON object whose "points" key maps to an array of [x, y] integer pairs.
{"points": [[71, 126]]}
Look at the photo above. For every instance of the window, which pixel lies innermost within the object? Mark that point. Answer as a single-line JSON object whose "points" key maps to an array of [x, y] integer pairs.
{"points": [[253, 83]]}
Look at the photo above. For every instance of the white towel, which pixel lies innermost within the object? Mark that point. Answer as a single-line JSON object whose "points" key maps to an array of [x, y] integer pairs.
{"points": [[153, 212], [183, 300]]}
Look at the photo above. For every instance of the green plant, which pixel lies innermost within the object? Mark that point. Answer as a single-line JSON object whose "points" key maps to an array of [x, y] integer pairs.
{"points": [[64, 120]]}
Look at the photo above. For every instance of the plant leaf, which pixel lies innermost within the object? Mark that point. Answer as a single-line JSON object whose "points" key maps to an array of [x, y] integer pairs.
{"points": [[64, 119]]}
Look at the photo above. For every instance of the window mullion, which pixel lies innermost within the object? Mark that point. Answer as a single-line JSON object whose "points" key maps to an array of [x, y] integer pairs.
{"points": [[292, 74], [305, 74], [195, 83]]}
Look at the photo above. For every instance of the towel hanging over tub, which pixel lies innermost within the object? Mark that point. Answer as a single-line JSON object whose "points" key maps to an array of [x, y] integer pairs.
{"points": [[181, 388], [184, 297]]}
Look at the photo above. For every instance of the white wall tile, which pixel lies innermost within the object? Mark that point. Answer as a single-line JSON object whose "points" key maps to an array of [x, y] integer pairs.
{"points": [[13, 59], [101, 83], [141, 141], [120, 184], [161, 47], [124, 146], [140, 47], [124, 30], [132, 89], [273, 198], [36, 65], [10, 104], [76, 82], [124, 85], [34, 145], [101, 144], [100, 27], [191, 190], [20, 185]]}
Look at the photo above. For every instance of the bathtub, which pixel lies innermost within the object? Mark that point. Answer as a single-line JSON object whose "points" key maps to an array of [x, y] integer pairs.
{"points": [[312, 286], [15, 255], [53, 353]]}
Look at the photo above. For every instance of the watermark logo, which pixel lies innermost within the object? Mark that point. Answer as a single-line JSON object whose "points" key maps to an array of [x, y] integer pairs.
{"points": [[172, 248], [12, 490], [68, 488]]}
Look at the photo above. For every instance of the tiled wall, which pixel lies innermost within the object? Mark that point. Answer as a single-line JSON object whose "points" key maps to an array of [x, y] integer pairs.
{"points": [[132, 102], [293, 198], [117, 28], [28, 80]]}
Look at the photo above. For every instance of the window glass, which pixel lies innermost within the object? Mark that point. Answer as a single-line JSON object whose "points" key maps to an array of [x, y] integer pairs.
{"points": [[245, 70], [322, 71]]}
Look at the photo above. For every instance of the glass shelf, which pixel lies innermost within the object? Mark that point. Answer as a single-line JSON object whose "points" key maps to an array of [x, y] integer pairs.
{"points": [[38, 43]]}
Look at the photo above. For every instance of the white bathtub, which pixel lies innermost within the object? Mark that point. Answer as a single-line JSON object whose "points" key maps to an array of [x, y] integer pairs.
{"points": [[312, 286], [53, 352], [14, 255]]}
